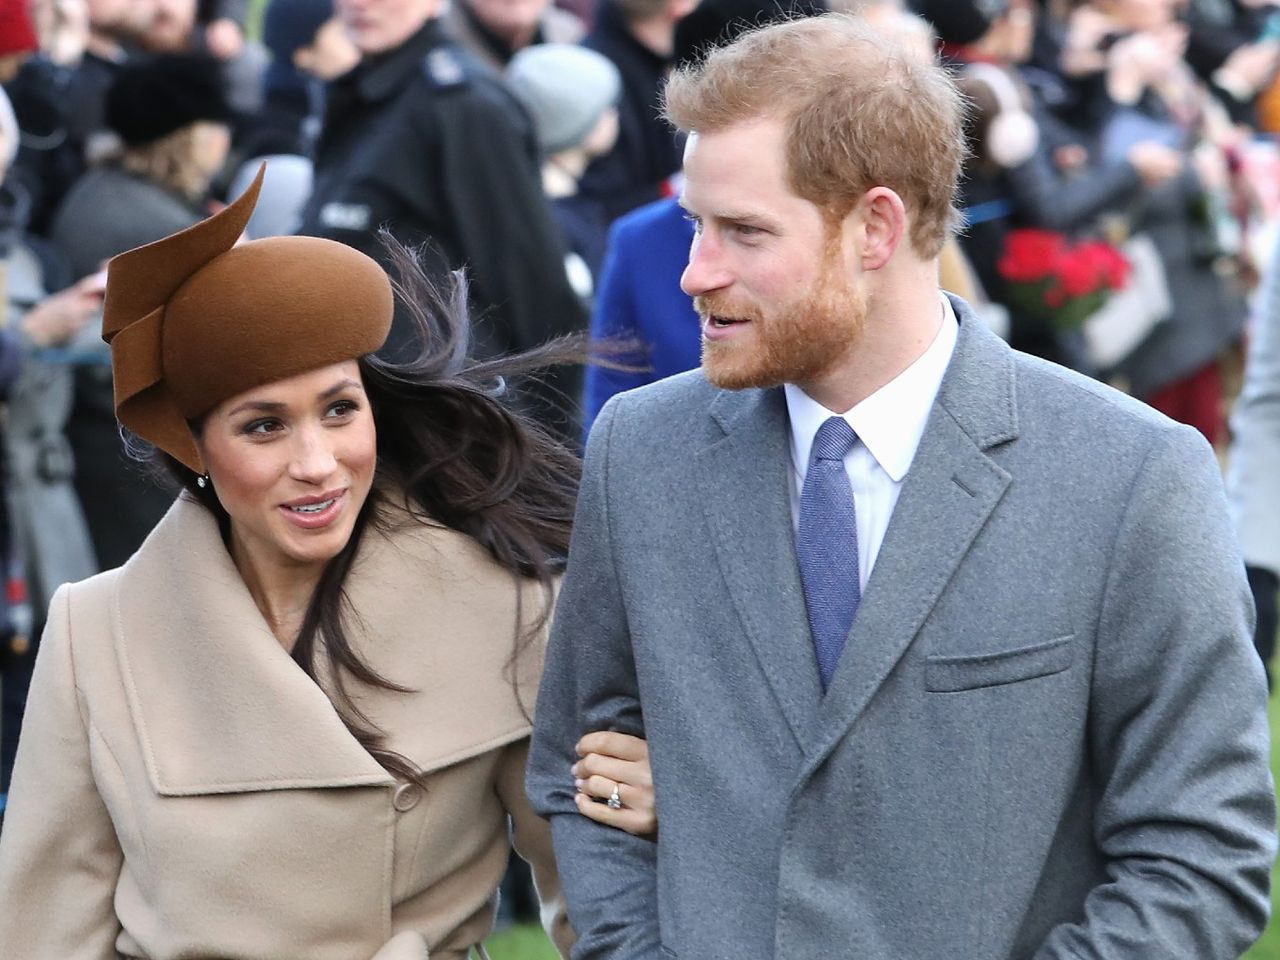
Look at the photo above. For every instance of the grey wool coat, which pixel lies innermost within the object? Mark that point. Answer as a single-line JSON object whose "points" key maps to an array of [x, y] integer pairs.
{"points": [[1046, 738]]}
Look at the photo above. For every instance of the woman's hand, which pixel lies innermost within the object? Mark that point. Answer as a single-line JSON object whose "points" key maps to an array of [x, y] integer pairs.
{"points": [[615, 765]]}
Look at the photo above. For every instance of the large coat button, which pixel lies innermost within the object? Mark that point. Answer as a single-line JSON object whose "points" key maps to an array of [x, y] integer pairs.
{"points": [[406, 797]]}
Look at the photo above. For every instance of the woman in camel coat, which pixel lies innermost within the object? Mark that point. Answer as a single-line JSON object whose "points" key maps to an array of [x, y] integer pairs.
{"points": [[294, 723]]}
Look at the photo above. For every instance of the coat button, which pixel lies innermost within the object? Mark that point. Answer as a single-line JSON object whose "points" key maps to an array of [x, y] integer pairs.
{"points": [[406, 797]]}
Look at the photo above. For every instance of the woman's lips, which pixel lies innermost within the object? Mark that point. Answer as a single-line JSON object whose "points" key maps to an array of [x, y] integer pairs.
{"points": [[313, 513]]}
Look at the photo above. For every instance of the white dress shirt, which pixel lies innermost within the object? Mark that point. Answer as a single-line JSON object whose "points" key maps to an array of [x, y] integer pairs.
{"points": [[889, 424]]}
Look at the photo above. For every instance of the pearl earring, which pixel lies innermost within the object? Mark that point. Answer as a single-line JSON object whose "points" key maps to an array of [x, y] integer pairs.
{"points": [[202, 482]]}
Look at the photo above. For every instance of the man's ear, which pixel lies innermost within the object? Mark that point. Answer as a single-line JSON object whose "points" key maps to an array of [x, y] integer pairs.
{"points": [[883, 218]]}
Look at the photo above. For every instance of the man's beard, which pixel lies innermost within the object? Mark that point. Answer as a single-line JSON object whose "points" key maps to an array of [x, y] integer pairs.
{"points": [[797, 343]]}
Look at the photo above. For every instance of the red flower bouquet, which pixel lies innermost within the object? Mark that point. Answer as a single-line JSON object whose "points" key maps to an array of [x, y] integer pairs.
{"points": [[1048, 278]]}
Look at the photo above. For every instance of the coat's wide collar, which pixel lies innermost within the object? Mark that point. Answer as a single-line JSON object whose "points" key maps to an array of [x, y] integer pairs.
{"points": [[220, 707]]}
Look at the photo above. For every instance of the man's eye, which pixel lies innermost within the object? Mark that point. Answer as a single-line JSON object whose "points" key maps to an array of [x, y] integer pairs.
{"points": [[746, 230], [696, 221]]}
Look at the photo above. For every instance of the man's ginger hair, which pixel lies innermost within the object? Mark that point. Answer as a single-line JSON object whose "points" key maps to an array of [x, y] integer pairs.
{"points": [[860, 111]]}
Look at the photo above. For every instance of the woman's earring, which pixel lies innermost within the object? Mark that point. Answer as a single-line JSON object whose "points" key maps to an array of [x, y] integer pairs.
{"points": [[202, 482]]}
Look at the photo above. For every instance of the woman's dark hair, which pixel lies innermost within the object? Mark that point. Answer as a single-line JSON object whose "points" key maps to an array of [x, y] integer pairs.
{"points": [[454, 451]]}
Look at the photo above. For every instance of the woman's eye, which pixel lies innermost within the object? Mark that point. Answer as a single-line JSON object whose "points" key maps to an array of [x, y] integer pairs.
{"points": [[262, 427], [343, 408]]}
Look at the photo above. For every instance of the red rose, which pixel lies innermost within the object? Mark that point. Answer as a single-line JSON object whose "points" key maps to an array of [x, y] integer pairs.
{"points": [[1030, 255], [1083, 270], [1118, 270]]}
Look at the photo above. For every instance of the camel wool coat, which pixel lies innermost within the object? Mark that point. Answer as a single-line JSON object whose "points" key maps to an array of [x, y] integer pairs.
{"points": [[184, 790]]}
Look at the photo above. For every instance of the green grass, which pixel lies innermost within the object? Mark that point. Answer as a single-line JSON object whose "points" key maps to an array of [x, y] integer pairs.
{"points": [[253, 26], [1268, 948], [521, 943], [528, 943]]}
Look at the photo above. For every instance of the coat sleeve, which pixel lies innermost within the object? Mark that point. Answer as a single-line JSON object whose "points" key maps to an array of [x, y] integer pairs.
{"points": [[1178, 733], [1047, 199], [589, 683], [614, 319], [510, 243], [59, 856], [531, 837]]}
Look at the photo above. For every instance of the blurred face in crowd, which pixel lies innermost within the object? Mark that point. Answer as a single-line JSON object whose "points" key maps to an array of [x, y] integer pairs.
{"points": [[767, 270], [515, 21], [378, 26], [330, 54], [292, 463], [1015, 32], [1140, 14], [172, 28], [121, 18]]}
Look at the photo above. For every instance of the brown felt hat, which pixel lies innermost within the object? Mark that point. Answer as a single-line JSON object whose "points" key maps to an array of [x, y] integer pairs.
{"points": [[194, 319]]}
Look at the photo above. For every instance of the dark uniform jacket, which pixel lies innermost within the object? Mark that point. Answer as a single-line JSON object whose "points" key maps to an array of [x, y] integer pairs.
{"points": [[647, 151], [426, 141]]}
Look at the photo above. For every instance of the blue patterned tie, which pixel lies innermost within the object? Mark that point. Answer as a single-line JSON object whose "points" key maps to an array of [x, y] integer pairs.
{"points": [[827, 544]]}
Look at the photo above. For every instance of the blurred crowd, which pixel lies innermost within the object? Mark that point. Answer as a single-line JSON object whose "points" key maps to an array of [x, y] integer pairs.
{"points": [[1119, 202]]}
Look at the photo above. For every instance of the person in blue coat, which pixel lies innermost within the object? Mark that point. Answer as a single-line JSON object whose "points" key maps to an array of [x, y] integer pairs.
{"points": [[640, 300]]}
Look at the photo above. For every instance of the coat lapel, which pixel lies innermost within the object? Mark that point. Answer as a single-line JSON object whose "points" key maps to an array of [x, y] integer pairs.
{"points": [[755, 544], [220, 707], [947, 496], [217, 703]]}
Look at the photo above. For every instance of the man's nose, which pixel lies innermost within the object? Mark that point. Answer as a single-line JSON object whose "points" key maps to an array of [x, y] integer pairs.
{"points": [[706, 271]]}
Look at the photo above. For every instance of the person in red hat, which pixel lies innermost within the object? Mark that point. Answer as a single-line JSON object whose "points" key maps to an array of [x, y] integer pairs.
{"points": [[17, 37]]}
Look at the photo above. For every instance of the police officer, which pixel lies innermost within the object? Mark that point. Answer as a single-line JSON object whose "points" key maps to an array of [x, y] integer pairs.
{"points": [[422, 138]]}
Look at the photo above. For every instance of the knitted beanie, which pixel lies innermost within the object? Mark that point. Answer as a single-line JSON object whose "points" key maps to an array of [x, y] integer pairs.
{"points": [[154, 97], [566, 90], [17, 34]]}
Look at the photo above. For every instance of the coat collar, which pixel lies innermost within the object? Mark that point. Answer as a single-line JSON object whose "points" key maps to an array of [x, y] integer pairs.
{"points": [[948, 493], [219, 706], [378, 78]]}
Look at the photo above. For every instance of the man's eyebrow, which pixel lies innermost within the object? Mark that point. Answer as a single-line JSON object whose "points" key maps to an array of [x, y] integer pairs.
{"points": [[744, 216], [730, 216]]}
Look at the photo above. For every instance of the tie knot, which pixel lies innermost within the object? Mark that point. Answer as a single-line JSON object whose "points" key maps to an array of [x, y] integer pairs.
{"points": [[834, 440]]}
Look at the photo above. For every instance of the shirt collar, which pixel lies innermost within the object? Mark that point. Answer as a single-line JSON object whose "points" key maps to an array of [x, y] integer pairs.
{"points": [[891, 421]]}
